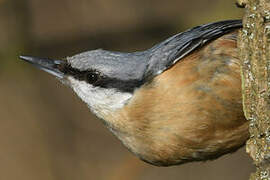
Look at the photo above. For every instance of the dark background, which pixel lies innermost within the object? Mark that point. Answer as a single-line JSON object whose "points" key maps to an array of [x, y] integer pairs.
{"points": [[46, 132]]}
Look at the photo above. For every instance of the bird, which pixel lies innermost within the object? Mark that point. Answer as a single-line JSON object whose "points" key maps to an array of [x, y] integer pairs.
{"points": [[179, 101]]}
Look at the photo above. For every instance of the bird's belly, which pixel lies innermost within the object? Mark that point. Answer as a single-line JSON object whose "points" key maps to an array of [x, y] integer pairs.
{"points": [[196, 125]]}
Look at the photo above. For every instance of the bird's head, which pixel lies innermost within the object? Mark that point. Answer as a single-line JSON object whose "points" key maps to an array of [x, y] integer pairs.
{"points": [[104, 80]]}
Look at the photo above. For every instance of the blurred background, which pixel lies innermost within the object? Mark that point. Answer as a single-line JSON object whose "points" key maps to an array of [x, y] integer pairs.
{"points": [[46, 132]]}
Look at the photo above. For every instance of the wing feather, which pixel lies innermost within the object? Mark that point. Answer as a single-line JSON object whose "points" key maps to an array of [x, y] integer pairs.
{"points": [[170, 51]]}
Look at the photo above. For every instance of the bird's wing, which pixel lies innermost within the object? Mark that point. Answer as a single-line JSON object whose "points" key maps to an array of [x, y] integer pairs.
{"points": [[170, 51]]}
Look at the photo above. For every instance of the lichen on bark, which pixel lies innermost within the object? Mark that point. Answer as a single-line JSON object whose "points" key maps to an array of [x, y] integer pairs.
{"points": [[254, 51]]}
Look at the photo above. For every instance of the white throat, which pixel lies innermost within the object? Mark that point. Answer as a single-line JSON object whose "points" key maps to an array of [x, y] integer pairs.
{"points": [[101, 101]]}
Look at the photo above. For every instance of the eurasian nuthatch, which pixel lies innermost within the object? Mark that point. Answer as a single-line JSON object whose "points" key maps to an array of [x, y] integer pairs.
{"points": [[176, 102]]}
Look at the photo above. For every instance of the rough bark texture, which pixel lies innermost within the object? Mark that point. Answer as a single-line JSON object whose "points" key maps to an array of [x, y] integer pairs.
{"points": [[255, 54]]}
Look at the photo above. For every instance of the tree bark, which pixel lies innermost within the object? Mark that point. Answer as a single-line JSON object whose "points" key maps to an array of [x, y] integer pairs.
{"points": [[254, 52]]}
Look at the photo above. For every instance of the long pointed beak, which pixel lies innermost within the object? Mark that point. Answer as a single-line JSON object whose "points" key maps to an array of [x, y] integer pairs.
{"points": [[45, 64]]}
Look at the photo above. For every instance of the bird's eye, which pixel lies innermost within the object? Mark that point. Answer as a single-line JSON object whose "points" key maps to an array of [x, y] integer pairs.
{"points": [[92, 77]]}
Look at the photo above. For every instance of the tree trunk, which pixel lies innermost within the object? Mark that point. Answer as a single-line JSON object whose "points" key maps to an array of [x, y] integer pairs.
{"points": [[254, 49]]}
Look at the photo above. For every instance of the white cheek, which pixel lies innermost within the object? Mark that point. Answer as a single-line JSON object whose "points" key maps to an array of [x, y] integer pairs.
{"points": [[101, 101]]}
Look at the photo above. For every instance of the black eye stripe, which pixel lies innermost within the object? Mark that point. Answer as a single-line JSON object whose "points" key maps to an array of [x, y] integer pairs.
{"points": [[77, 74], [100, 80]]}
